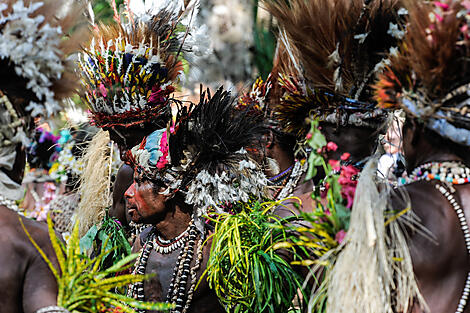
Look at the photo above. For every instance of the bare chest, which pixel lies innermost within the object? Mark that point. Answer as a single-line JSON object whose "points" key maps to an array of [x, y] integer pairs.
{"points": [[168, 280]]}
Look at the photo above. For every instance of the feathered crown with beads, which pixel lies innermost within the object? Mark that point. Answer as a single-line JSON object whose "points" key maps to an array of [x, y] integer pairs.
{"points": [[35, 43], [203, 154], [130, 69], [337, 49], [430, 77]]}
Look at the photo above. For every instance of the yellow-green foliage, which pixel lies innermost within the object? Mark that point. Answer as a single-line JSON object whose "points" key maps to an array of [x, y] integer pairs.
{"points": [[85, 288], [244, 269]]}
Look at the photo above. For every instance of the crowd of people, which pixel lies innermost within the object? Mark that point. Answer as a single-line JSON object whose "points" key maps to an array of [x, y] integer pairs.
{"points": [[339, 183]]}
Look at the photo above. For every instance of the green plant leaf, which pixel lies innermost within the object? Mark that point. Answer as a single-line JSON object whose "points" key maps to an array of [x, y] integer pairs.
{"points": [[86, 242]]}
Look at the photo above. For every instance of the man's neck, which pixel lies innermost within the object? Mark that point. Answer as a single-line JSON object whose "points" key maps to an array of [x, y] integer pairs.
{"points": [[359, 142], [436, 157], [283, 159], [174, 224]]}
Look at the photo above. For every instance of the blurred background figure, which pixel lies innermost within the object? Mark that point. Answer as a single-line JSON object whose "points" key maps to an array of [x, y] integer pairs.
{"points": [[391, 164]]}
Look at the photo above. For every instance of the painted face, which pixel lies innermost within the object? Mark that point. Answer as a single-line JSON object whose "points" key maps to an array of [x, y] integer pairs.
{"points": [[144, 204]]}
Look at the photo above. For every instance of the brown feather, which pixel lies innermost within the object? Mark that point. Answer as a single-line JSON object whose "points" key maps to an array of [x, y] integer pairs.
{"points": [[315, 28], [434, 59]]}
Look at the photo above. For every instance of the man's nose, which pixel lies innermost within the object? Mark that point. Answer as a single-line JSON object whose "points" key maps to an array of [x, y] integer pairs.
{"points": [[130, 192]]}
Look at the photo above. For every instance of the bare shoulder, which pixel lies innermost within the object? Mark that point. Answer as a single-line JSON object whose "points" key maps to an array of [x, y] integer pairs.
{"points": [[29, 281], [11, 226], [435, 213]]}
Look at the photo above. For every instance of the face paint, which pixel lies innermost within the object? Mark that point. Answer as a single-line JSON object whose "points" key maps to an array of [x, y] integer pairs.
{"points": [[144, 205]]}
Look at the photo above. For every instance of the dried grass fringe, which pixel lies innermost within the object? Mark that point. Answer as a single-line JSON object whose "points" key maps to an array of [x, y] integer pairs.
{"points": [[95, 183], [373, 272]]}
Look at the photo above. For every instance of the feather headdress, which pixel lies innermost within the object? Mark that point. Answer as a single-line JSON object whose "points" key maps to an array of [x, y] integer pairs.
{"points": [[265, 96], [430, 77], [35, 43], [338, 47], [203, 155], [131, 69]]}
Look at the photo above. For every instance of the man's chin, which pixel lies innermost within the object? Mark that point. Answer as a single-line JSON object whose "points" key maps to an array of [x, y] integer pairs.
{"points": [[135, 217]]}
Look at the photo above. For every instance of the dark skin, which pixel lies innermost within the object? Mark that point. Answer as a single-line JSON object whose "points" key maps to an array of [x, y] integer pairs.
{"points": [[170, 217], [360, 142], [27, 282], [441, 266], [126, 139], [124, 179]]}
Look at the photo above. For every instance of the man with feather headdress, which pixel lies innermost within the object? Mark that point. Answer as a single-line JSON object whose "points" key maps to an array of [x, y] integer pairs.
{"points": [[329, 53], [36, 75], [130, 71], [195, 165], [429, 79]]}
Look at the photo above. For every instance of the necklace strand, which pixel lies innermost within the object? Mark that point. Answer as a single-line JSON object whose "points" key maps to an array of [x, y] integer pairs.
{"points": [[453, 172], [280, 177], [181, 273], [168, 246], [294, 178], [466, 232], [11, 204]]}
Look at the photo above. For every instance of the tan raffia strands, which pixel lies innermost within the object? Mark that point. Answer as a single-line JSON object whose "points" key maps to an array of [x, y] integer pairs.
{"points": [[94, 183], [381, 279]]}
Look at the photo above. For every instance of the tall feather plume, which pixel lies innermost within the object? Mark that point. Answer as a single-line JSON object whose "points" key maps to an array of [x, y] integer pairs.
{"points": [[159, 30], [434, 58], [338, 43], [215, 131]]}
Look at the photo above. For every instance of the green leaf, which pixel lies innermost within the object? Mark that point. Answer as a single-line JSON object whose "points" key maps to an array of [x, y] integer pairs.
{"points": [[86, 242], [344, 216], [317, 141]]}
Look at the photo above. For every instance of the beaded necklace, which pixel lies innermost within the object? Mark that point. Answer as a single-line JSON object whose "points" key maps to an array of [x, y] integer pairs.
{"points": [[168, 246], [452, 173], [297, 172], [181, 273], [276, 180]]}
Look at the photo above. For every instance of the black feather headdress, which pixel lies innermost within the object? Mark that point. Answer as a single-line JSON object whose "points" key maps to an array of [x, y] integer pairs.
{"points": [[430, 77], [204, 154], [337, 48]]}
